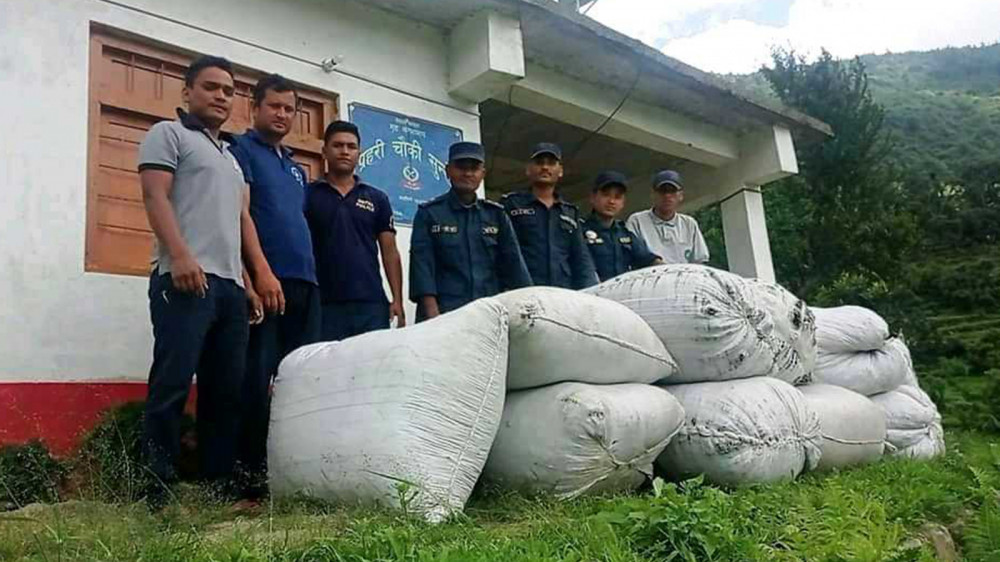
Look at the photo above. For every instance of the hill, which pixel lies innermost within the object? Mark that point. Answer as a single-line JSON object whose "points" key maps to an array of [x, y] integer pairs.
{"points": [[942, 112], [942, 106]]}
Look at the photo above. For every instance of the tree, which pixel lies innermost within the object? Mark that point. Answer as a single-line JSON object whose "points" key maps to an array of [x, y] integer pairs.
{"points": [[845, 211]]}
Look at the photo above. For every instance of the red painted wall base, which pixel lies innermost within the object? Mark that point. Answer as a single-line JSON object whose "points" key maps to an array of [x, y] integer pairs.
{"points": [[59, 413]]}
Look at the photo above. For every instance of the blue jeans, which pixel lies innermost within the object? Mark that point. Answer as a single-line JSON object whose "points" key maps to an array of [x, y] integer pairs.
{"points": [[204, 334], [270, 342]]}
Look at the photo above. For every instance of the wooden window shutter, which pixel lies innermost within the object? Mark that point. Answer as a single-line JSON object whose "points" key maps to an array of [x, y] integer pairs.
{"points": [[134, 84]]}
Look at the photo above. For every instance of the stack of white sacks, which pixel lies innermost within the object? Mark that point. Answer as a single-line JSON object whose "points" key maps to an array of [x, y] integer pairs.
{"points": [[854, 351], [544, 390]]}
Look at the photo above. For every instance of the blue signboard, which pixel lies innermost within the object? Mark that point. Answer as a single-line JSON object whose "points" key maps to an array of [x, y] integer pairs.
{"points": [[403, 156]]}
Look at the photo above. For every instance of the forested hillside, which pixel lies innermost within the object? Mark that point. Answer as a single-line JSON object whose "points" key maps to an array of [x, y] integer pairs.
{"points": [[901, 210], [942, 107]]}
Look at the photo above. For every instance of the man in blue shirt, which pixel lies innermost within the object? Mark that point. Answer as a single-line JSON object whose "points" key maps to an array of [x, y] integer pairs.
{"points": [[614, 248], [463, 247], [548, 227], [286, 280], [347, 218]]}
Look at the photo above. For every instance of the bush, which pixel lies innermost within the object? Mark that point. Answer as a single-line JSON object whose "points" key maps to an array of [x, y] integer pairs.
{"points": [[110, 460], [29, 474]]}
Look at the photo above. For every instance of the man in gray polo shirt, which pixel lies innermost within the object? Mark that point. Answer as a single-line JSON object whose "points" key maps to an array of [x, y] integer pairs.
{"points": [[197, 204], [673, 236]]}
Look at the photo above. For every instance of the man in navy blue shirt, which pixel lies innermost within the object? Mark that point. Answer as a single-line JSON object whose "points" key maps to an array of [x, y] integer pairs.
{"points": [[347, 218], [463, 247], [614, 248], [286, 280], [548, 227]]}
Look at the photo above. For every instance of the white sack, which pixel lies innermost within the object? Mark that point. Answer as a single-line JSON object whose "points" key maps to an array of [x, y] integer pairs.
{"points": [[866, 372], [714, 324], [794, 325], [558, 335], [912, 421], [849, 329], [351, 420], [739, 432], [571, 439], [853, 427]]}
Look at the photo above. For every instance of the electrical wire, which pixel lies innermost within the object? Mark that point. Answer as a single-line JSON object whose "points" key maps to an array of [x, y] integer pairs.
{"points": [[628, 95], [576, 150]]}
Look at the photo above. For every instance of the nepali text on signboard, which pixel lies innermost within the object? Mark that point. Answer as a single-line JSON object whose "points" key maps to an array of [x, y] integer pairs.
{"points": [[403, 156]]}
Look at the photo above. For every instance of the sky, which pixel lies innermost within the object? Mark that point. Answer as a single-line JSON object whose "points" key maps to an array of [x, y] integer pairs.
{"points": [[736, 36]]}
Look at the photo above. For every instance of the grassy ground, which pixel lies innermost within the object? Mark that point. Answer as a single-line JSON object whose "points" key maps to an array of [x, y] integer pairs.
{"points": [[870, 513]]}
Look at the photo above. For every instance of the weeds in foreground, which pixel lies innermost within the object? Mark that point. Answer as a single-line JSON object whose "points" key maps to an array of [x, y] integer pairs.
{"points": [[870, 513], [29, 474]]}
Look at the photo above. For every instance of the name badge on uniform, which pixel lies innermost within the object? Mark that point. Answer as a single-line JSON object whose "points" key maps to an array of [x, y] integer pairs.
{"points": [[366, 205], [443, 228], [491, 230], [592, 237], [520, 212], [625, 240]]}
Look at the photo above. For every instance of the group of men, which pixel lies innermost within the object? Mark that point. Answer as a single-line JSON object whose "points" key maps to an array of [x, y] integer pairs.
{"points": [[253, 262]]}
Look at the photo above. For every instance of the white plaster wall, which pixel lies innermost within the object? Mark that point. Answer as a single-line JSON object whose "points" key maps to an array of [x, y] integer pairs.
{"points": [[56, 321]]}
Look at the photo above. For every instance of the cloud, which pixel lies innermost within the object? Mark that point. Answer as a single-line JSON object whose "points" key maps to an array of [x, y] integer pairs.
{"points": [[844, 27], [656, 21]]}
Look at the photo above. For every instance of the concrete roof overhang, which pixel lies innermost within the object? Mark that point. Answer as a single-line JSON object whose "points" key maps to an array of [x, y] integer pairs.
{"points": [[577, 46], [562, 42]]}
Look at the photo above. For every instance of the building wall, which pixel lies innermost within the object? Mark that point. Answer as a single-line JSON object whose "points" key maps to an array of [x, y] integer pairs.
{"points": [[58, 323]]}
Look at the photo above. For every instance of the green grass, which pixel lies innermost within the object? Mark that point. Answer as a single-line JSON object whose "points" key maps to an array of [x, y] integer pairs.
{"points": [[869, 513]]}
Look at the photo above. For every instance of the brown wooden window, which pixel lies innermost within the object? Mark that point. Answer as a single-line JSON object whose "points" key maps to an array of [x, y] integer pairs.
{"points": [[134, 84]]}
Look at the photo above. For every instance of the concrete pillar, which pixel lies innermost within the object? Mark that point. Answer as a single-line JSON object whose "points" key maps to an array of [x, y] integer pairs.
{"points": [[747, 245]]}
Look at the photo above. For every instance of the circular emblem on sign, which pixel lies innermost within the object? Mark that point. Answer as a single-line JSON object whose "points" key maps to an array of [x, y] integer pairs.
{"points": [[298, 176], [411, 178], [590, 234]]}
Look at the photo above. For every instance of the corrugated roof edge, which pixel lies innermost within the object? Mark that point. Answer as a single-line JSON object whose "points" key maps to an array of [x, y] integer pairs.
{"points": [[793, 118]]}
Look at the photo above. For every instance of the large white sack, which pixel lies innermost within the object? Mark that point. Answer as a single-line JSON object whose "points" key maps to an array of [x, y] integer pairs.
{"points": [[352, 420], [740, 432], [794, 325], [558, 335], [570, 439], [912, 421], [867, 372], [716, 326], [849, 329], [853, 427]]}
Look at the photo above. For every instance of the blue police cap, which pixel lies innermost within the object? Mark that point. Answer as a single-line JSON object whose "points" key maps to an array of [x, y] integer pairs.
{"points": [[466, 151], [667, 177], [546, 148], [610, 177]]}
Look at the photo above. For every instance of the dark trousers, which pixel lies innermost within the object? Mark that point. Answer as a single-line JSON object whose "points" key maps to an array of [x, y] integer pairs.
{"points": [[204, 334], [445, 304], [270, 342], [342, 320]]}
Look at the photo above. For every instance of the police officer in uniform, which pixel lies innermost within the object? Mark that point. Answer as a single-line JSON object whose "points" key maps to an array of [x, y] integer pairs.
{"points": [[463, 247], [548, 227], [614, 248]]}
